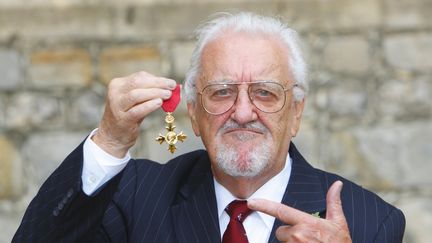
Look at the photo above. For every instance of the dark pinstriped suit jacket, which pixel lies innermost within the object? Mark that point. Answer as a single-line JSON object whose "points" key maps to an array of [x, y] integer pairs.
{"points": [[149, 202]]}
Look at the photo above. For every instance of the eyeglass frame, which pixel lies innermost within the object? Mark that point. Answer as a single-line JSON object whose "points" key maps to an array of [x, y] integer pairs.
{"points": [[250, 99]]}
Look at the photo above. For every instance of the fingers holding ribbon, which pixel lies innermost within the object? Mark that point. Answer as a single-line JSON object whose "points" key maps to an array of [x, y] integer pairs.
{"points": [[138, 88], [138, 96], [129, 100]]}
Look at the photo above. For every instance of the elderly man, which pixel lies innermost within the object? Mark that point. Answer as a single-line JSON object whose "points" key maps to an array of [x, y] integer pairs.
{"points": [[245, 92]]}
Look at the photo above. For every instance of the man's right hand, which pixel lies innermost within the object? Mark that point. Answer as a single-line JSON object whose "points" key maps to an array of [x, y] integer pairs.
{"points": [[129, 100]]}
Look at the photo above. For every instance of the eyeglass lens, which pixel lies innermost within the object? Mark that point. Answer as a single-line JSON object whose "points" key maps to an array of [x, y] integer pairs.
{"points": [[266, 96]]}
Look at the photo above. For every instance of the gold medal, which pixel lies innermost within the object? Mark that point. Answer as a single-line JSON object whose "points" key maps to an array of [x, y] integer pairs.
{"points": [[171, 137]]}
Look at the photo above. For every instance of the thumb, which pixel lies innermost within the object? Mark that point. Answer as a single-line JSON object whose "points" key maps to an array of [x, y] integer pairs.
{"points": [[334, 205]]}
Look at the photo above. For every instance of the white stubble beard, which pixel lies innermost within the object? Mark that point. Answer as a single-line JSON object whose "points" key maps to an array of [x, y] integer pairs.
{"points": [[256, 159]]}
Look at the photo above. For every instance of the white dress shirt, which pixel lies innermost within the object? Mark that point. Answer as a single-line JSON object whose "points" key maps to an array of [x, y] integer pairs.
{"points": [[257, 225], [99, 167]]}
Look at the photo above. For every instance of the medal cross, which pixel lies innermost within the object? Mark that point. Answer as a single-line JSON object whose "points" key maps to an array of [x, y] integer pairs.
{"points": [[171, 137]]}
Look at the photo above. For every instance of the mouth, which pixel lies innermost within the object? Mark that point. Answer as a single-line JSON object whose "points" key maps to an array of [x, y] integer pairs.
{"points": [[243, 135], [243, 130]]}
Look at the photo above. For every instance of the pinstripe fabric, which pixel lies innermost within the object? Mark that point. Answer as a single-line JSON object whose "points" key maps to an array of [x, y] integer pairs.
{"points": [[149, 202]]}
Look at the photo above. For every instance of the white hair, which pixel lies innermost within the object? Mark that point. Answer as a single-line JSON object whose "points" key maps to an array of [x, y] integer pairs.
{"points": [[249, 23]]}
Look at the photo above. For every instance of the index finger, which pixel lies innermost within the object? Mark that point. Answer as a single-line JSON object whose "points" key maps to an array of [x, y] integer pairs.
{"points": [[284, 213], [146, 80]]}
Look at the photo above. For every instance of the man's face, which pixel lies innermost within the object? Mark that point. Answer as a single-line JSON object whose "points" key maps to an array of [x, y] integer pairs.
{"points": [[245, 141]]}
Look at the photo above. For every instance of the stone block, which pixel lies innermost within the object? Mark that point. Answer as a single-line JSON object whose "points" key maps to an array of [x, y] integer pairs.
{"points": [[56, 22], [347, 99], [347, 54], [176, 20], [86, 109], [2, 113], [60, 68], [407, 14], [340, 155], [11, 69], [10, 169], [28, 110], [385, 157], [69, 3], [181, 55], [405, 98], [9, 223], [310, 112], [121, 61], [418, 214], [332, 14], [409, 51], [43, 152], [307, 142]]}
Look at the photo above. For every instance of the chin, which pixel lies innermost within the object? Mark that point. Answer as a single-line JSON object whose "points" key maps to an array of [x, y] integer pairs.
{"points": [[241, 162]]}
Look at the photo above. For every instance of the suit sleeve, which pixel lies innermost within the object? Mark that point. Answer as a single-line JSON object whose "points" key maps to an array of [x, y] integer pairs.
{"points": [[62, 212], [392, 228]]}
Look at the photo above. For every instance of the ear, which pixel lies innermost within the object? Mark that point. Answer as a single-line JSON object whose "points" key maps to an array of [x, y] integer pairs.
{"points": [[191, 107], [298, 111]]}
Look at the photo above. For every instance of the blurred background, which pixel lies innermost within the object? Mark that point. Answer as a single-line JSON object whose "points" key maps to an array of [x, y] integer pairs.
{"points": [[368, 115]]}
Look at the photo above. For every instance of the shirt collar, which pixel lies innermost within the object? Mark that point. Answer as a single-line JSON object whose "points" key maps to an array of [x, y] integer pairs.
{"points": [[273, 189]]}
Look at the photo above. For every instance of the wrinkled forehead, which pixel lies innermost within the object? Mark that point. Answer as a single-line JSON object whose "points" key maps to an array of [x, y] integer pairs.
{"points": [[244, 57]]}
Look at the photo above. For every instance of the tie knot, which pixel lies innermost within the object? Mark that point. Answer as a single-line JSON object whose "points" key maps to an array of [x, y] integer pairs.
{"points": [[238, 210]]}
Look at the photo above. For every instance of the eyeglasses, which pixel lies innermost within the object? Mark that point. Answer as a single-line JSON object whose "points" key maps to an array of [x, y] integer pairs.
{"points": [[267, 96]]}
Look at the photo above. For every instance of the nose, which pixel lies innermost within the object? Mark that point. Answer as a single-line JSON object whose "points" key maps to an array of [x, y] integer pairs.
{"points": [[244, 111]]}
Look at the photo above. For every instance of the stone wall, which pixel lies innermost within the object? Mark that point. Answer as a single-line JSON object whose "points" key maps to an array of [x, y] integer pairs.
{"points": [[368, 114]]}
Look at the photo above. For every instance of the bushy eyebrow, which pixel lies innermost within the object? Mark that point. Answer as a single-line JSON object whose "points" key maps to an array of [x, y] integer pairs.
{"points": [[222, 81], [230, 81]]}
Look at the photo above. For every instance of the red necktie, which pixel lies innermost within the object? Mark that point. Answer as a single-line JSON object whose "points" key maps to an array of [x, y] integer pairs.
{"points": [[235, 232]]}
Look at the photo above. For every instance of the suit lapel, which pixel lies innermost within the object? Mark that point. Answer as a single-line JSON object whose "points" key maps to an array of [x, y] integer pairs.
{"points": [[304, 191], [195, 214]]}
